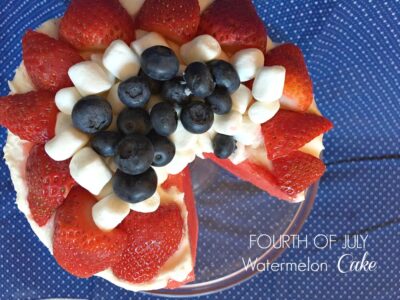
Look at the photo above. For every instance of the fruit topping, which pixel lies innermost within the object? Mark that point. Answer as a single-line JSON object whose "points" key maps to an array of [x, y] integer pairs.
{"points": [[223, 145], [79, 246], [105, 142], [224, 75], [152, 239], [134, 92], [134, 120], [164, 149], [175, 91], [160, 63], [220, 101], [31, 116], [47, 61], [199, 79], [164, 118], [197, 117], [92, 114]]}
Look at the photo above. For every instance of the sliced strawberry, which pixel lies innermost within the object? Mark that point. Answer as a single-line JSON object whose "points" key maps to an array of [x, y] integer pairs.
{"points": [[47, 60], [152, 239], [94, 24], [297, 171], [235, 24], [79, 246], [288, 131], [177, 20], [31, 116], [49, 183], [298, 90]]}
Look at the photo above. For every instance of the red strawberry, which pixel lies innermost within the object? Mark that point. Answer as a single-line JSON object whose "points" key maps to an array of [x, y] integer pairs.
{"points": [[79, 246], [94, 24], [289, 130], [298, 90], [297, 171], [235, 24], [177, 20], [152, 239], [31, 116], [49, 183], [47, 60]]}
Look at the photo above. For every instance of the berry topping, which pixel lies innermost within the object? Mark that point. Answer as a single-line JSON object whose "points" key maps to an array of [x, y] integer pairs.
{"points": [[134, 120], [31, 116], [135, 154], [49, 183], [92, 114], [135, 188], [199, 79], [94, 24], [235, 24], [177, 20], [197, 117], [164, 149], [224, 75], [220, 101], [134, 92], [223, 145], [154, 85], [175, 91], [164, 118], [79, 246], [152, 239], [47, 61], [105, 142], [160, 63]]}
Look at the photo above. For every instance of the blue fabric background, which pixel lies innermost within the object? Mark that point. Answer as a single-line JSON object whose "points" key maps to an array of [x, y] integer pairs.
{"points": [[352, 50]]}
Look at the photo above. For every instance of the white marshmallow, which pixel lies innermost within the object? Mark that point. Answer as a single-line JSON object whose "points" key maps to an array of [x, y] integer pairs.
{"points": [[132, 6], [162, 174], [147, 206], [109, 212], [111, 164], [107, 190], [66, 99], [269, 83], [204, 143], [147, 41], [247, 62], [202, 48], [63, 122], [249, 133], [228, 124], [240, 154], [98, 58], [121, 61], [183, 139], [89, 170], [241, 99], [204, 4], [66, 143], [113, 99], [180, 161], [90, 78], [260, 112]]}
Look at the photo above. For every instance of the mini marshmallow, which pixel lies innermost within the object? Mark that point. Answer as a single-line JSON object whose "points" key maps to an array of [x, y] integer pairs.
{"points": [[147, 41], [269, 83], [249, 133], [203, 48], [89, 170], [147, 206], [98, 58], [121, 61], [111, 164], [183, 139], [241, 99], [113, 99], [66, 99], [247, 62], [109, 212], [228, 124], [204, 4], [162, 174], [204, 143], [260, 112], [66, 143], [63, 122], [180, 161], [90, 78], [107, 190], [132, 7], [240, 154]]}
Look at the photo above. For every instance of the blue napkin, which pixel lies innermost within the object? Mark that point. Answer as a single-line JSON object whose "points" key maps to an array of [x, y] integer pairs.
{"points": [[352, 52]]}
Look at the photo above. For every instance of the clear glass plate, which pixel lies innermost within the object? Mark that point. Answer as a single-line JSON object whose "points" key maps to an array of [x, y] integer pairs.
{"points": [[229, 211]]}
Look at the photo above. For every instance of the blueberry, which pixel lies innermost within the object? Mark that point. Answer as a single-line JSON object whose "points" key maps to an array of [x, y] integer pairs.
{"points": [[220, 101], [105, 142], [164, 149], [135, 154], [224, 75], [199, 79], [135, 188], [160, 63], [154, 85], [197, 117], [223, 145], [134, 92], [175, 91], [92, 114], [164, 118], [134, 120]]}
